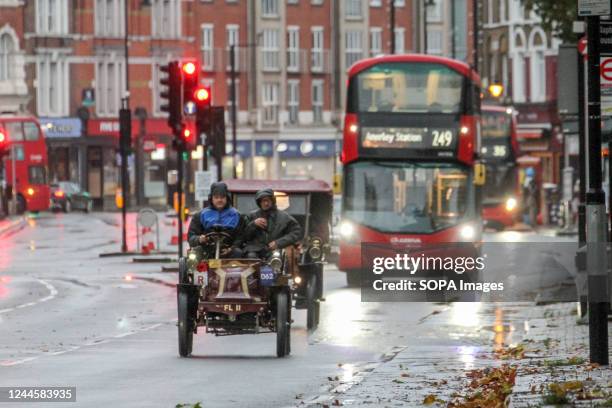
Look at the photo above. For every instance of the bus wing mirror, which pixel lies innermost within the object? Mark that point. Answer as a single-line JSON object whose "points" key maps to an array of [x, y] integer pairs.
{"points": [[479, 174]]}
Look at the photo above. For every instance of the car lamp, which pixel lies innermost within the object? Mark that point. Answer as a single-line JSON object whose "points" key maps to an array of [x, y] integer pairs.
{"points": [[315, 251], [511, 204], [276, 262]]}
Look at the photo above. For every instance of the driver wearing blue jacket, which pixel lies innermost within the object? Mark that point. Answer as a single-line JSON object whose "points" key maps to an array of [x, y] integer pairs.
{"points": [[218, 213]]}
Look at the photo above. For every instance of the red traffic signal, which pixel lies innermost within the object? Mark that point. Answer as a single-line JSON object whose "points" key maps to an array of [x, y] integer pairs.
{"points": [[189, 68], [3, 143], [202, 95], [186, 134]]}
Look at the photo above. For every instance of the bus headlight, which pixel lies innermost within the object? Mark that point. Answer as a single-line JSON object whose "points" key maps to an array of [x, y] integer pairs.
{"points": [[511, 204], [468, 232], [30, 191], [346, 229]]}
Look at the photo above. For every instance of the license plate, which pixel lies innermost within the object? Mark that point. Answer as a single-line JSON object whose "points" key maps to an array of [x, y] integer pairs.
{"points": [[267, 276]]}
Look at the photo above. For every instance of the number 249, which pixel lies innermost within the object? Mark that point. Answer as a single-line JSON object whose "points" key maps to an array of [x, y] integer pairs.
{"points": [[442, 138]]}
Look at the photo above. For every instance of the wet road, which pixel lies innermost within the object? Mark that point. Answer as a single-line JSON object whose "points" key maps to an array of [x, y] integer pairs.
{"points": [[70, 318]]}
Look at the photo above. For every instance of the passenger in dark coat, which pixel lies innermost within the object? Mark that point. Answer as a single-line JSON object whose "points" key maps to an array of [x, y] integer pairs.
{"points": [[269, 228]]}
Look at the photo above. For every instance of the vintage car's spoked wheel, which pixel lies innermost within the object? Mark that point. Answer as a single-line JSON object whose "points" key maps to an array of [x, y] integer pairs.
{"points": [[185, 327], [313, 309], [282, 325]]}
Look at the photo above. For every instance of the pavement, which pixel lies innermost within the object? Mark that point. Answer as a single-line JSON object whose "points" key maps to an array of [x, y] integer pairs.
{"points": [[516, 355]]}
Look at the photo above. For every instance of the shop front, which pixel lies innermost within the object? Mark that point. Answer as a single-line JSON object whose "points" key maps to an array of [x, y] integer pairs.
{"points": [[307, 159], [65, 148], [147, 169], [253, 159]]}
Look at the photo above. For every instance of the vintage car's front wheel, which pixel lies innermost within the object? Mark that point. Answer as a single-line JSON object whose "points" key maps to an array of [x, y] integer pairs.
{"points": [[313, 305], [185, 329], [282, 324]]}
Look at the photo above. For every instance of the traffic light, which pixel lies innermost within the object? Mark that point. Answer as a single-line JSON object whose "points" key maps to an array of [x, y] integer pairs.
{"points": [[203, 97], [4, 145], [186, 138], [217, 139], [173, 83], [125, 133], [191, 75]]}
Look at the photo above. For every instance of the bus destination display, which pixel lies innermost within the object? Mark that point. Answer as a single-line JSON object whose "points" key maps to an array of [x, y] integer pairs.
{"points": [[409, 138]]}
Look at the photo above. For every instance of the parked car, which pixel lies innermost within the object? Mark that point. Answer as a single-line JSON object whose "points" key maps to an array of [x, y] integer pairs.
{"points": [[68, 196]]}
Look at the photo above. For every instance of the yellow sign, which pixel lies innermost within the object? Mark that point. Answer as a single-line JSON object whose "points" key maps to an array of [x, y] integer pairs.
{"points": [[176, 205], [119, 198], [479, 174], [337, 184]]}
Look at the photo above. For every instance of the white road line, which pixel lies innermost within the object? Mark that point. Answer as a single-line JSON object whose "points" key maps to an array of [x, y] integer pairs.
{"points": [[52, 294], [118, 336], [16, 362], [8, 363]]}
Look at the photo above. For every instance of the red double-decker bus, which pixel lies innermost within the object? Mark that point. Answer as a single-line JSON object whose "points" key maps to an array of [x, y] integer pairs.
{"points": [[410, 136], [500, 149], [26, 166]]}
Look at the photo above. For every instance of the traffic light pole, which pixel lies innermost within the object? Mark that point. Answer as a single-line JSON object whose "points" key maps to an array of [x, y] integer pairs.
{"points": [[125, 136], [596, 220], [179, 191], [582, 176]]}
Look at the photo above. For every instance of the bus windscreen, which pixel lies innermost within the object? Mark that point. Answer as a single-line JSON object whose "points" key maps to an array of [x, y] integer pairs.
{"points": [[409, 88]]}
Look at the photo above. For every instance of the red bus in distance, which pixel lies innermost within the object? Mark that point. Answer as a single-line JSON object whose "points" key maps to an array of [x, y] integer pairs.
{"points": [[411, 134], [28, 158], [501, 203]]}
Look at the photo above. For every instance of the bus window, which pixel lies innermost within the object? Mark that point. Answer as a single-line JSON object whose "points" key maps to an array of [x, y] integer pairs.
{"points": [[416, 87], [15, 131], [37, 175], [31, 131]]}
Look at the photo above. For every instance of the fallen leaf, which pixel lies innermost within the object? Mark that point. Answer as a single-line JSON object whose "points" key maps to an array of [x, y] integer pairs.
{"points": [[430, 399]]}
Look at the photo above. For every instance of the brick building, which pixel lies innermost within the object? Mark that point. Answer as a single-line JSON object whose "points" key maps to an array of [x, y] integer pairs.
{"points": [[13, 90], [68, 62], [520, 55]]}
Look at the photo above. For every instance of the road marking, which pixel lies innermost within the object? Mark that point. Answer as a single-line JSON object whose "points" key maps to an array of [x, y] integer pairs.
{"points": [[52, 293], [16, 362], [8, 363]]}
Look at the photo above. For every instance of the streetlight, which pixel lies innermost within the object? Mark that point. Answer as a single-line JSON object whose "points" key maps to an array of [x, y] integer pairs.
{"points": [[496, 90]]}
